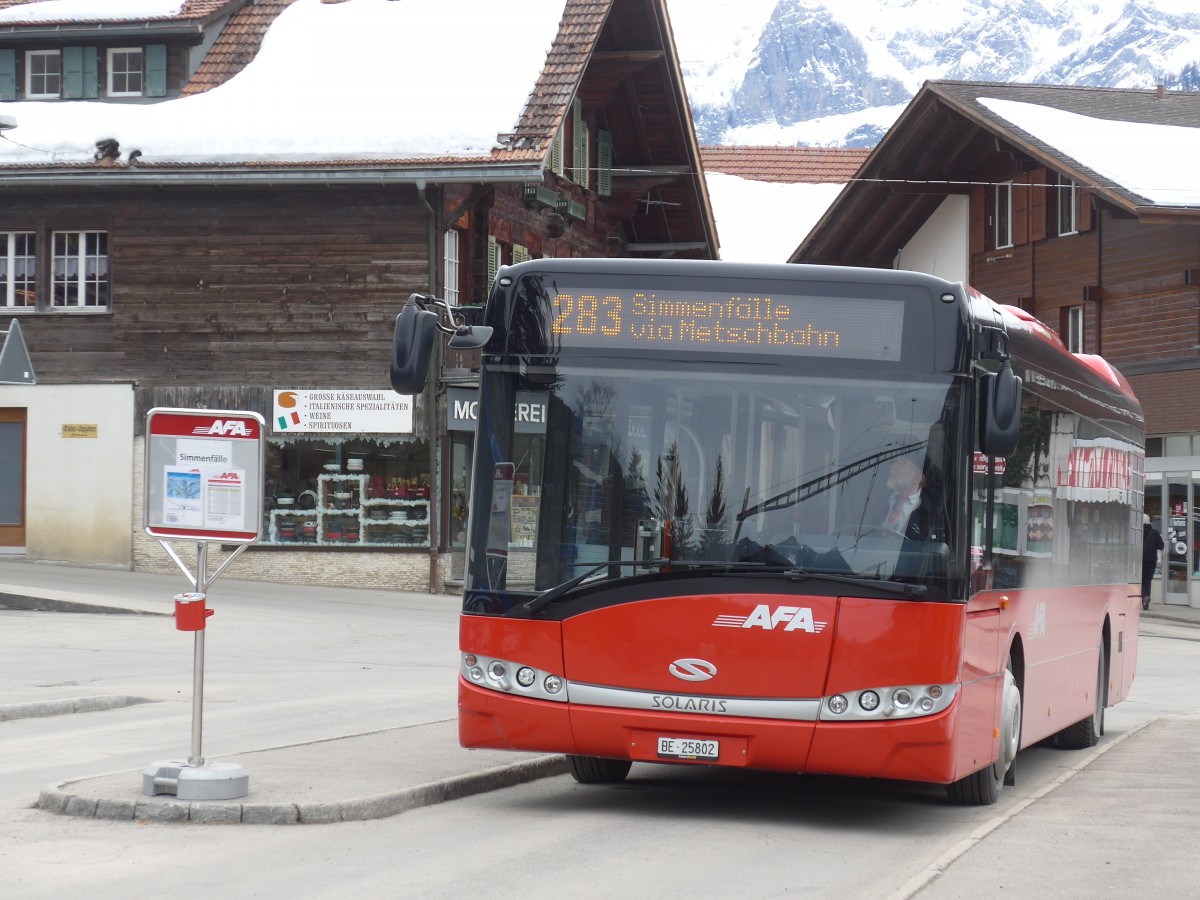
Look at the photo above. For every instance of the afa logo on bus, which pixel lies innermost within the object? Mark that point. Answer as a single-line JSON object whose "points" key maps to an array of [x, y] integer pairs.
{"points": [[794, 618]]}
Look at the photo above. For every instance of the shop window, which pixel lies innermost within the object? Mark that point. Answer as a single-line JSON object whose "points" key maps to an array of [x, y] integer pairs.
{"points": [[1154, 447], [347, 492]]}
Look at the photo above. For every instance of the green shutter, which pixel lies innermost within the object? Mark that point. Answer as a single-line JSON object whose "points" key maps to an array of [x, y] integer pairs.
{"points": [[520, 253], [604, 163], [81, 73], [556, 154], [8, 75], [156, 70], [493, 261], [579, 147]]}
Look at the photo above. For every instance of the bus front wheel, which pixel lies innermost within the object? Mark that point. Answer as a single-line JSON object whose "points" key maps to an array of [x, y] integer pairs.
{"points": [[597, 770], [982, 788]]}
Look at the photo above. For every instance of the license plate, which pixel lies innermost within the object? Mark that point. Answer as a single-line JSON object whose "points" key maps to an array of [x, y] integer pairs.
{"points": [[688, 748]]}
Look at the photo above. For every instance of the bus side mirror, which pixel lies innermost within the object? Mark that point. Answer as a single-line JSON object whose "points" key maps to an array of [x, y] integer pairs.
{"points": [[1000, 412], [412, 342]]}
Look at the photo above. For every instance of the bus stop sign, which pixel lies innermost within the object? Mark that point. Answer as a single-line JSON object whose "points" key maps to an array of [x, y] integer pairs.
{"points": [[204, 475]]}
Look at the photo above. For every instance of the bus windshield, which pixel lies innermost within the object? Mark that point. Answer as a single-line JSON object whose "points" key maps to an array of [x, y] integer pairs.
{"points": [[594, 461]]}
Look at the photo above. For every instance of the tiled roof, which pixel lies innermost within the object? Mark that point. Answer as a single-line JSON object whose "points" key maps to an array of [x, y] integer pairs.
{"points": [[192, 9], [580, 26], [791, 165], [237, 45]]}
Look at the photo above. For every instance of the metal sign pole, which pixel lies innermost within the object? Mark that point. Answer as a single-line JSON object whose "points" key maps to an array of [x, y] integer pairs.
{"points": [[197, 757]]}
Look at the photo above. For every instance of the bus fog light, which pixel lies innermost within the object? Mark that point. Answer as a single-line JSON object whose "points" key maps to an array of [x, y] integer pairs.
{"points": [[476, 674], [902, 698], [926, 704], [553, 684], [526, 676], [496, 670], [868, 700], [838, 704]]}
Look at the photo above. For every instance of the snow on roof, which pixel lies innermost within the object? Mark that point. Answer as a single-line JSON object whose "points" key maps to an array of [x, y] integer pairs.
{"points": [[1157, 162], [90, 10], [367, 79], [760, 221]]}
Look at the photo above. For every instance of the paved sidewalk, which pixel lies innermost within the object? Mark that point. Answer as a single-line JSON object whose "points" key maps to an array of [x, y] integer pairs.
{"points": [[322, 781], [359, 776]]}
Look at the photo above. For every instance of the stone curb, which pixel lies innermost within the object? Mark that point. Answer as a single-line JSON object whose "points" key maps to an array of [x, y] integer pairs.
{"points": [[52, 604], [38, 709], [58, 798]]}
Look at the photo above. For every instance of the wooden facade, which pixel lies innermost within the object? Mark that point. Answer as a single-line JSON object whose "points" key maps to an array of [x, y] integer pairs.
{"points": [[230, 281], [1128, 268]]}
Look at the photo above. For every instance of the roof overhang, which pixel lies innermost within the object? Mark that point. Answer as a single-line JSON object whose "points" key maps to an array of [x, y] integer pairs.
{"points": [[102, 31], [267, 176]]}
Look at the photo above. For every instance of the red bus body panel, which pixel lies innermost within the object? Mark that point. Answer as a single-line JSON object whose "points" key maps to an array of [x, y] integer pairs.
{"points": [[846, 644]]}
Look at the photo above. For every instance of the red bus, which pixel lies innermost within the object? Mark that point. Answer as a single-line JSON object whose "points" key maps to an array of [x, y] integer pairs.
{"points": [[791, 518]]}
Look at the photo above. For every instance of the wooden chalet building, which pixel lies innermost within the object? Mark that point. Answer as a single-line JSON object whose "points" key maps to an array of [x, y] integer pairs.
{"points": [[1092, 224], [170, 237]]}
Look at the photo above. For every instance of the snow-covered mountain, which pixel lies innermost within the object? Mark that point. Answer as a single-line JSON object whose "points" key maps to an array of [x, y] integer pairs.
{"points": [[838, 72]]}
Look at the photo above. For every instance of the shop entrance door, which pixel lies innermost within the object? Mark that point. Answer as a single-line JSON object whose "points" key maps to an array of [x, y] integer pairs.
{"points": [[1178, 552], [12, 477]]}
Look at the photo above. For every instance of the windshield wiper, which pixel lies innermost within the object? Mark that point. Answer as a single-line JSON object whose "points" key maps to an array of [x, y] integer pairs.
{"points": [[898, 587], [566, 587]]}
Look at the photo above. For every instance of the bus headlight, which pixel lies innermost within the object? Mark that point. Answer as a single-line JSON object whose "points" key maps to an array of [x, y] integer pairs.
{"points": [[882, 703], [510, 677]]}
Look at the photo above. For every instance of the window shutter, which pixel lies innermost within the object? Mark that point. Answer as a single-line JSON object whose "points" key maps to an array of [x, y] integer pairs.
{"points": [[1020, 210], [520, 254], [978, 219], [604, 163], [156, 70], [1083, 210], [8, 75], [80, 72], [493, 264], [1037, 204], [556, 154], [579, 147]]}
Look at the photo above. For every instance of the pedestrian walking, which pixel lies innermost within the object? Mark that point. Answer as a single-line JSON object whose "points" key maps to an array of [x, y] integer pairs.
{"points": [[1152, 544]]}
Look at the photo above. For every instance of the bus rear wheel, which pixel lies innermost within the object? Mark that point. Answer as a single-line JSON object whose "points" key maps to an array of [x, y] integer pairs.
{"points": [[982, 788], [597, 770], [1086, 732]]}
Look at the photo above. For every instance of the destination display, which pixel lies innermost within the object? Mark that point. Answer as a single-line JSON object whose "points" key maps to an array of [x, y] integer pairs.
{"points": [[831, 327]]}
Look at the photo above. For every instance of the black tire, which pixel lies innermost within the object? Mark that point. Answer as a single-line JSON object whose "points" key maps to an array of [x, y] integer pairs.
{"points": [[597, 770], [982, 788], [1086, 732]]}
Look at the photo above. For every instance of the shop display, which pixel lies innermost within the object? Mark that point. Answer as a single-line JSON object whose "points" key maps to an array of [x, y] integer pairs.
{"points": [[357, 509]]}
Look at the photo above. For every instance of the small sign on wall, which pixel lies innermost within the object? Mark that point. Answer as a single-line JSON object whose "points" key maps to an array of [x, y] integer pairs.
{"points": [[81, 431]]}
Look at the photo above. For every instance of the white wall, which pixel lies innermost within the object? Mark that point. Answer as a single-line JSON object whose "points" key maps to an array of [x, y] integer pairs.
{"points": [[942, 246], [78, 491]]}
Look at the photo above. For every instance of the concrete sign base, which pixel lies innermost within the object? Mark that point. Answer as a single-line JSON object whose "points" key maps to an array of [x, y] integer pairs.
{"points": [[210, 781]]}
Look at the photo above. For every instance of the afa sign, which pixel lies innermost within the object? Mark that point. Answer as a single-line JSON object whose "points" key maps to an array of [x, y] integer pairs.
{"points": [[204, 475]]}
